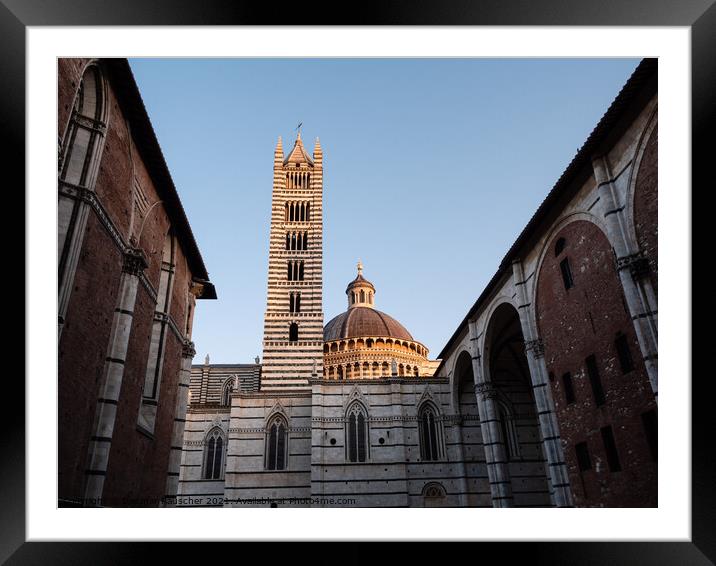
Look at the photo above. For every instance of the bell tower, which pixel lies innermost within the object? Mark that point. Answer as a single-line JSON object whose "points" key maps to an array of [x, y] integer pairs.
{"points": [[293, 323]]}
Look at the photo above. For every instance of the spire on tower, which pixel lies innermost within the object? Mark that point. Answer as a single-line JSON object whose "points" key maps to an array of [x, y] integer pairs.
{"points": [[317, 149]]}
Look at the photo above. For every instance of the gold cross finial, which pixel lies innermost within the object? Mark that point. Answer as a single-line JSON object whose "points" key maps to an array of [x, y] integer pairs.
{"points": [[360, 268]]}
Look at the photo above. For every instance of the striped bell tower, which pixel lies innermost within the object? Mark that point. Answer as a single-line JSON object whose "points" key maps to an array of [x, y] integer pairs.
{"points": [[293, 324]]}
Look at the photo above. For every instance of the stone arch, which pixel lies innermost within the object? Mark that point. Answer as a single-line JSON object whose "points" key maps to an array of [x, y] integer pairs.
{"points": [[507, 370], [100, 112], [650, 129], [548, 247], [642, 200], [461, 374], [578, 333]]}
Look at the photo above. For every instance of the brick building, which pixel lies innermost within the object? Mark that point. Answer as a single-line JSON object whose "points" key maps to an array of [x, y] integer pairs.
{"points": [[565, 334], [129, 275]]}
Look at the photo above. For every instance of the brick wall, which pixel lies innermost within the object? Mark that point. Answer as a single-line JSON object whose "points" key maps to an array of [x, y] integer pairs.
{"points": [[574, 324], [646, 205], [82, 351], [138, 464]]}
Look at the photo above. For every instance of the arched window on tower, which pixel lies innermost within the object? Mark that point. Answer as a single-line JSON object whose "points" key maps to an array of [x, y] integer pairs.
{"points": [[213, 454], [308, 212], [293, 332], [294, 302], [276, 443], [356, 433], [431, 437]]}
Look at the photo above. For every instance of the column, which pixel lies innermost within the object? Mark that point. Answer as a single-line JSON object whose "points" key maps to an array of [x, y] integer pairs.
{"points": [[633, 269], [106, 411], [455, 424], [182, 400], [549, 427], [498, 471]]}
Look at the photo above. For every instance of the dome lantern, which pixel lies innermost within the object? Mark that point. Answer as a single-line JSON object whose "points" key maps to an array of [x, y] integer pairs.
{"points": [[360, 291]]}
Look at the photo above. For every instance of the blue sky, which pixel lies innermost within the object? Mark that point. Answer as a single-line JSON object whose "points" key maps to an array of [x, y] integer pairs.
{"points": [[432, 167]]}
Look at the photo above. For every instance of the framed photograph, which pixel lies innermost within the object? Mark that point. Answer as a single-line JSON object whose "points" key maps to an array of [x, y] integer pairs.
{"points": [[221, 344]]}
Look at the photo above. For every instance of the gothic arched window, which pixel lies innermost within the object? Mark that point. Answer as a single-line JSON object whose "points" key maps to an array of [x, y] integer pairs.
{"points": [[226, 392], [80, 152], [85, 132], [213, 454], [152, 377], [276, 443], [356, 433], [430, 433]]}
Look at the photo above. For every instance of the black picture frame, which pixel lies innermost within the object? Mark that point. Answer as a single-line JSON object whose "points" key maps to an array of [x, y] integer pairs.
{"points": [[699, 15]]}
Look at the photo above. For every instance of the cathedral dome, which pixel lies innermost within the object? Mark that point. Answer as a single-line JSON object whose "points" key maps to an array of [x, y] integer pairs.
{"points": [[365, 343], [364, 321]]}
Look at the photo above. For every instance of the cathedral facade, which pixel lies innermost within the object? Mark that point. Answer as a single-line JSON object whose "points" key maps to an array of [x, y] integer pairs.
{"points": [[545, 395]]}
